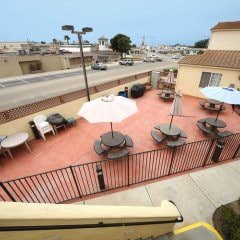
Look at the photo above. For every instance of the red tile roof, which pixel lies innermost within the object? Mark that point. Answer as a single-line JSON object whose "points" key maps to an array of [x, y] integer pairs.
{"points": [[214, 58], [227, 25]]}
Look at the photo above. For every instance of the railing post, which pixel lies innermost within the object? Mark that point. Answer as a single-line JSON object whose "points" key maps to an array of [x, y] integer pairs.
{"points": [[128, 171], [170, 167], [207, 155], [234, 155], [74, 178], [7, 192]]}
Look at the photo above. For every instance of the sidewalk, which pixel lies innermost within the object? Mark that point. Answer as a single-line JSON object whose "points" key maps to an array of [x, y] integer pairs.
{"points": [[196, 195]]}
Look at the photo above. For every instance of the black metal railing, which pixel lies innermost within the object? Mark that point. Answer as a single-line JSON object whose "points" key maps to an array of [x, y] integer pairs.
{"points": [[77, 181]]}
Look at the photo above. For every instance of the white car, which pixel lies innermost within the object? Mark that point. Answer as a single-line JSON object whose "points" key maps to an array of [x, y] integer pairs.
{"points": [[99, 66], [149, 60], [127, 62], [177, 56]]}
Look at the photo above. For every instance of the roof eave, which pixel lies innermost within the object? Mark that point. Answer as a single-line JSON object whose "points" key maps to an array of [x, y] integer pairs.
{"points": [[210, 66]]}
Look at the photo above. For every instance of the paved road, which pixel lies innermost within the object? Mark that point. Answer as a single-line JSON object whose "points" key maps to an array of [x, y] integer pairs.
{"points": [[21, 90]]}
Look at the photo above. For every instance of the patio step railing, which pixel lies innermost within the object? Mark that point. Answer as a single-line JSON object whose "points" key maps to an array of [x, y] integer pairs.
{"points": [[78, 181]]}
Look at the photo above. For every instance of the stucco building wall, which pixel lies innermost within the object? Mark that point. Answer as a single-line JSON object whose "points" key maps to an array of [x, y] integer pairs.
{"points": [[189, 78], [9, 67], [225, 40]]}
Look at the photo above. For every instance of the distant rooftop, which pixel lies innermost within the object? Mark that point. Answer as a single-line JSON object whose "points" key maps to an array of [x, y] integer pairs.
{"points": [[103, 38], [214, 58], [226, 26]]}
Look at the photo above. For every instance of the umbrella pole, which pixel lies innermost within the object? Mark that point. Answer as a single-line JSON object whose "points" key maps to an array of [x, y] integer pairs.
{"points": [[172, 114], [171, 122], [111, 129], [219, 111]]}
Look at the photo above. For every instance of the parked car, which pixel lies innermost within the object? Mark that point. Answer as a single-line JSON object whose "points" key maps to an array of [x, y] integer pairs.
{"points": [[99, 66], [127, 62], [158, 59], [177, 56], [149, 59]]}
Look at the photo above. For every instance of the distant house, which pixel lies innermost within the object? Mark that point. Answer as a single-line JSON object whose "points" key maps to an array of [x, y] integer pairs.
{"points": [[74, 48], [218, 66], [103, 44]]}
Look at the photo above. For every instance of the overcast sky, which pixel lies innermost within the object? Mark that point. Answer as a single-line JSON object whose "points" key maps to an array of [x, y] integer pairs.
{"points": [[161, 22]]}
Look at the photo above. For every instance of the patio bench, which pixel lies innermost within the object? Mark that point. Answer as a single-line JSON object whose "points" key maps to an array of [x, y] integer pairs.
{"points": [[212, 109], [202, 121], [128, 141], [166, 98], [118, 153], [202, 103], [223, 108], [98, 147], [156, 136], [176, 143], [204, 128], [71, 121], [183, 134], [224, 134]]}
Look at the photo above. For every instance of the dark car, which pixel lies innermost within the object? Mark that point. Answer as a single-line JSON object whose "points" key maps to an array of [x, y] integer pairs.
{"points": [[99, 66]]}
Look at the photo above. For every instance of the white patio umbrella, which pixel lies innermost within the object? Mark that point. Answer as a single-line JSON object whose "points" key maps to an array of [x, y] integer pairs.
{"points": [[176, 107], [223, 94], [109, 108], [170, 77]]}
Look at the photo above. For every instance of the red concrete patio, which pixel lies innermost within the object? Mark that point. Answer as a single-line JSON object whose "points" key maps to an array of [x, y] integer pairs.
{"points": [[75, 145]]}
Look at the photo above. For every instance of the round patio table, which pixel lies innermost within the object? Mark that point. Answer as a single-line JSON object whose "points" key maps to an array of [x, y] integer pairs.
{"points": [[213, 102], [216, 124], [15, 140], [56, 119], [167, 92], [114, 140], [173, 131]]}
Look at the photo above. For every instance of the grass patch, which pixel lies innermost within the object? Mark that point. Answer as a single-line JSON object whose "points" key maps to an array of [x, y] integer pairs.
{"points": [[230, 223], [226, 220]]}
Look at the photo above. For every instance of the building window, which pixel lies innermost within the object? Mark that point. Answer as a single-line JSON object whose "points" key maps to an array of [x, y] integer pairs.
{"points": [[209, 79]]}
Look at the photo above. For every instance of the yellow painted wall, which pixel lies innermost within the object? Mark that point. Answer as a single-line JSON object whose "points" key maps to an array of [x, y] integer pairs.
{"points": [[69, 109], [9, 66], [189, 77], [225, 40], [25, 66], [19, 65], [32, 214], [52, 63]]}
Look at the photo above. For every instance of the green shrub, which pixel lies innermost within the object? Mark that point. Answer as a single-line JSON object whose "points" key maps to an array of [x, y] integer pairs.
{"points": [[230, 223], [175, 70]]}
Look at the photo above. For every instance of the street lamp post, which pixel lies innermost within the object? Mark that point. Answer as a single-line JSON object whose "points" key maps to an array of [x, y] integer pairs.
{"points": [[79, 34]]}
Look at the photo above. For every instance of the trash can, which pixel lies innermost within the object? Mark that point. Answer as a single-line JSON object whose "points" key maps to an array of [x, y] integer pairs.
{"points": [[137, 90], [34, 130], [126, 91], [155, 79], [218, 150], [100, 177]]}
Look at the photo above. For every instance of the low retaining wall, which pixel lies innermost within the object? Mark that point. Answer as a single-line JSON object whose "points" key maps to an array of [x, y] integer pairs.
{"points": [[81, 222]]}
